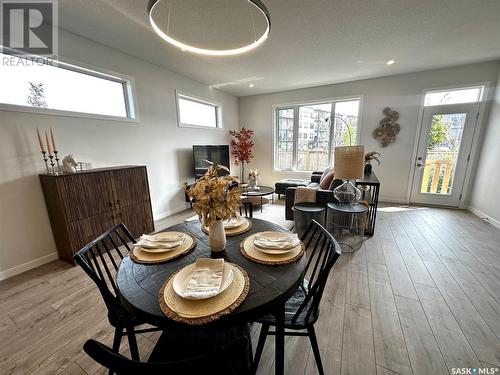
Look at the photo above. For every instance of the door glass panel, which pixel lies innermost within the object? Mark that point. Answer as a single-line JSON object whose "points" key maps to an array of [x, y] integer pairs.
{"points": [[313, 137], [470, 95], [284, 122], [442, 153]]}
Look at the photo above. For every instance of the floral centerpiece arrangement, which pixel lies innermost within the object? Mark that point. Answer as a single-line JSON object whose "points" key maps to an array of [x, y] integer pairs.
{"points": [[215, 199], [242, 145], [253, 178]]}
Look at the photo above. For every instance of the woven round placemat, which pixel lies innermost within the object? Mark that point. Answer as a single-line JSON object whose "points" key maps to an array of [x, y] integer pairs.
{"points": [[251, 252], [140, 256], [243, 228], [204, 311]]}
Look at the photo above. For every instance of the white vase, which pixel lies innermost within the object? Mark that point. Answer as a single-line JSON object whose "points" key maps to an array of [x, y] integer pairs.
{"points": [[217, 236]]}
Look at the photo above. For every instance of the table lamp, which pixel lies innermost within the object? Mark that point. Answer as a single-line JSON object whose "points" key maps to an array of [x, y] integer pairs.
{"points": [[348, 164]]}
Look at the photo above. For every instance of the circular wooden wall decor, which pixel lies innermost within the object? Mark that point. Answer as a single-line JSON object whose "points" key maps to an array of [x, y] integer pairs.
{"points": [[388, 127]]}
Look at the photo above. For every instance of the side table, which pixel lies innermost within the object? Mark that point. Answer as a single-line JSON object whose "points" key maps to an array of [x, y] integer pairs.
{"points": [[347, 225], [306, 212], [370, 188]]}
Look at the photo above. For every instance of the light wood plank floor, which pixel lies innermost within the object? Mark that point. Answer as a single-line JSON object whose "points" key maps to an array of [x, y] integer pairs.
{"points": [[422, 296]]}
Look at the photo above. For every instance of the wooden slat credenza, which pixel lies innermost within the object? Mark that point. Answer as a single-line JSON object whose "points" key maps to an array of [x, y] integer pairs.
{"points": [[83, 205]]}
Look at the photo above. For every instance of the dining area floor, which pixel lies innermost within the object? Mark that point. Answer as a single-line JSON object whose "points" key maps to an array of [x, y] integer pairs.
{"points": [[421, 296]]}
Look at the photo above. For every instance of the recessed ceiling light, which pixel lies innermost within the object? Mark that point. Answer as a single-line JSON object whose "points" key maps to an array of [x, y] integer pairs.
{"points": [[390, 62], [251, 85]]}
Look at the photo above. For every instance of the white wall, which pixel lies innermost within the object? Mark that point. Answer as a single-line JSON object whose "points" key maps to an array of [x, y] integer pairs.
{"points": [[156, 141], [484, 198], [400, 92]]}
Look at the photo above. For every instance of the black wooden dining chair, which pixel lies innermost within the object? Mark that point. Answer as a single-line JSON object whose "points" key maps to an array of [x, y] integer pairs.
{"points": [[215, 362], [100, 260], [302, 309], [248, 207]]}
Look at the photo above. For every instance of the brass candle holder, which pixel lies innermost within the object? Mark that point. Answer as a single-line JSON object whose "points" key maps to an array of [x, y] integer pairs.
{"points": [[51, 157], [45, 159], [58, 170]]}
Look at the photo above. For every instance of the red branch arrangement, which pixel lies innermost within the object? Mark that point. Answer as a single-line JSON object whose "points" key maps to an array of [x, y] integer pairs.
{"points": [[242, 148]]}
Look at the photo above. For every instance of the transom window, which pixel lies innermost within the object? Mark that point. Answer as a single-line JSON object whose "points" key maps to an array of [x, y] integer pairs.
{"points": [[306, 134], [197, 112], [44, 85], [455, 96]]}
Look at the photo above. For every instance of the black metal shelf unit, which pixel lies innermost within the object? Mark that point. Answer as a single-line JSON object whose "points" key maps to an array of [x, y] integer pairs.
{"points": [[370, 188]]}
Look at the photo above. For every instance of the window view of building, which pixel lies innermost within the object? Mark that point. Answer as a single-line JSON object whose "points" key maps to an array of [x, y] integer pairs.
{"points": [[308, 145]]}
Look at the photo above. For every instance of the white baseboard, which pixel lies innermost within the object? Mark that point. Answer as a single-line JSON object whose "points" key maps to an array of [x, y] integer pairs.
{"points": [[392, 200], [28, 265], [163, 215], [53, 256], [482, 215]]}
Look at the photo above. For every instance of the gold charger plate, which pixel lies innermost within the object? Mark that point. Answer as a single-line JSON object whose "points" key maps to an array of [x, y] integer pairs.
{"points": [[140, 256], [243, 228], [250, 251], [206, 310]]}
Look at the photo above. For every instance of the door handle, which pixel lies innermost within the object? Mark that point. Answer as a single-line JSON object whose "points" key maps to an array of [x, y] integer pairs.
{"points": [[420, 165]]}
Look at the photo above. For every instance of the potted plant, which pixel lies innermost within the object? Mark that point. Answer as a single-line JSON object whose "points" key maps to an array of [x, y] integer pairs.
{"points": [[242, 145], [369, 157], [253, 178], [215, 199]]}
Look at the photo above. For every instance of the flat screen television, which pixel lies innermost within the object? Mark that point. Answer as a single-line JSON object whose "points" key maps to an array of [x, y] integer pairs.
{"points": [[218, 154]]}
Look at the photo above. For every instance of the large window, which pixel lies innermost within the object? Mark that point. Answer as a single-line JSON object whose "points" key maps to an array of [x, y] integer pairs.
{"points": [[56, 86], [306, 134], [197, 112]]}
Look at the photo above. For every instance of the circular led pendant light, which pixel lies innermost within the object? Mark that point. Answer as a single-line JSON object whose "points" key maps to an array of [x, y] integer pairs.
{"points": [[212, 52]]}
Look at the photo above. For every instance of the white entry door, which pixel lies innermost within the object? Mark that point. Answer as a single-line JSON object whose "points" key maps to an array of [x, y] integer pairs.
{"points": [[443, 154]]}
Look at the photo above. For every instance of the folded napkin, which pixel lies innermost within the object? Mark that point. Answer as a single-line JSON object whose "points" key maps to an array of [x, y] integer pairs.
{"points": [[233, 222], [160, 242], [206, 279], [276, 240]]}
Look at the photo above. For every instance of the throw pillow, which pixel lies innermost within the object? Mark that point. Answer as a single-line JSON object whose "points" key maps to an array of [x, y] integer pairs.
{"points": [[327, 170], [335, 183], [325, 183], [305, 194]]}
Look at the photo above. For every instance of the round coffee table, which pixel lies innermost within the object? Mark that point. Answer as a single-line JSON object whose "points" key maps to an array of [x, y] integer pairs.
{"points": [[254, 195]]}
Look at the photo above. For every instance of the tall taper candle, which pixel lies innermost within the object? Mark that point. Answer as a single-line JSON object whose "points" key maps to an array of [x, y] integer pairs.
{"points": [[49, 149], [42, 149], [54, 147]]}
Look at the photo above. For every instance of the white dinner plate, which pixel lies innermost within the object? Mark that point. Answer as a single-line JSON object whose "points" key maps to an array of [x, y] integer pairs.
{"points": [[275, 237], [163, 250], [229, 224]]}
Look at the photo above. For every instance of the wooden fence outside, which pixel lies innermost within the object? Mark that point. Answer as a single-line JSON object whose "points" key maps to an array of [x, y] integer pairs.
{"points": [[309, 160]]}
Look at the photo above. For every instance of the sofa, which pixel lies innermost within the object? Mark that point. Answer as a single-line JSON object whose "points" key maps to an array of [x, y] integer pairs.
{"points": [[281, 186], [323, 196]]}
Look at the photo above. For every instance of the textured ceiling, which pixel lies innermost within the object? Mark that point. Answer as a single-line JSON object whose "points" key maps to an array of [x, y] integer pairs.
{"points": [[312, 42]]}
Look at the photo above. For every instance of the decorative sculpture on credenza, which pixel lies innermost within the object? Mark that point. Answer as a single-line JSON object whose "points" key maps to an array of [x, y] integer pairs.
{"points": [[69, 164], [388, 128]]}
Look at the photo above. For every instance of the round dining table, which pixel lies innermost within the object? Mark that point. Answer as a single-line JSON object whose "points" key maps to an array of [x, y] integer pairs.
{"points": [[270, 285]]}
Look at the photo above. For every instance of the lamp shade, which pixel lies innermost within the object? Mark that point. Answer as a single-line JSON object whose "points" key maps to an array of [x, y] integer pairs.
{"points": [[349, 162]]}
